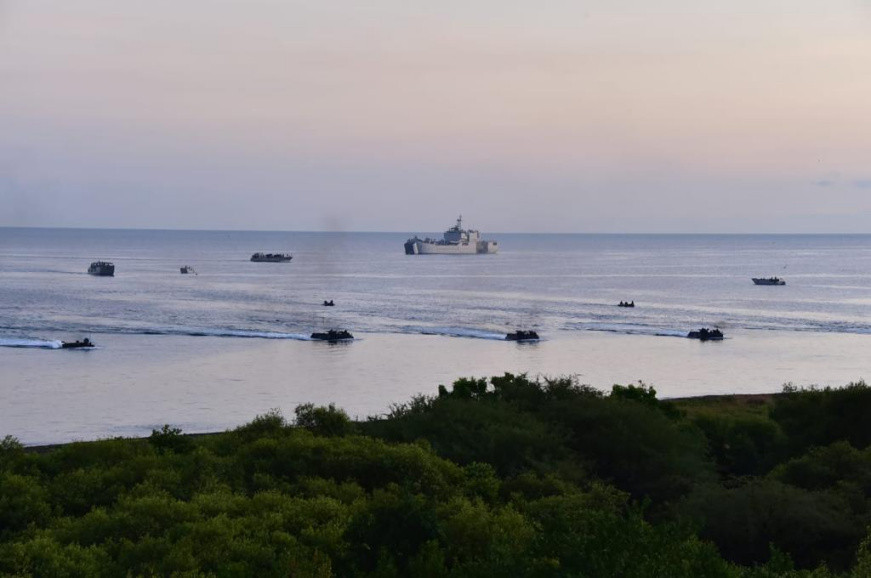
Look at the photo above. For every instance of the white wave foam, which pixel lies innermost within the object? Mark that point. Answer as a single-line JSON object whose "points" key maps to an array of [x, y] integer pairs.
{"points": [[457, 332], [18, 342], [634, 330], [197, 332], [245, 333]]}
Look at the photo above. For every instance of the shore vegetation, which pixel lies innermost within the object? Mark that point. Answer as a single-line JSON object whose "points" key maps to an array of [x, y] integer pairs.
{"points": [[506, 476]]}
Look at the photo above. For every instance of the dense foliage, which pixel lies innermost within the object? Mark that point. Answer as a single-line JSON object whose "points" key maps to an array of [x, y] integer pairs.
{"points": [[502, 477]]}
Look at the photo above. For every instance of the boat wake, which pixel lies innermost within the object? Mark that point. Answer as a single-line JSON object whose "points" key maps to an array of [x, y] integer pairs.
{"points": [[37, 343], [181, 330], [230, 333], [457, 332], [628, 329]]}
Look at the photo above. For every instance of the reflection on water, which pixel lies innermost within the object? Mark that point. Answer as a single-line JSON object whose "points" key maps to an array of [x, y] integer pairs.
{"points": [[213, 350], [551, 282], [135, 383]]}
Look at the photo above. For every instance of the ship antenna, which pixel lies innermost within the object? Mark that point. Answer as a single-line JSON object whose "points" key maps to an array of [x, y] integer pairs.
{"points": [[460, 222]]}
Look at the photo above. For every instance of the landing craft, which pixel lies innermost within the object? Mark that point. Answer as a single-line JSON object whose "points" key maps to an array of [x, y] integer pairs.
{"points": [[333, 335], [522, 335], [768, 281], [84, 343], [102, 269], [271, 257], [705, 334]]}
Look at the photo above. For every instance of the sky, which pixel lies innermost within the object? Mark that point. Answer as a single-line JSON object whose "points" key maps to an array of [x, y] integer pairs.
{"points": [[601, 116]]}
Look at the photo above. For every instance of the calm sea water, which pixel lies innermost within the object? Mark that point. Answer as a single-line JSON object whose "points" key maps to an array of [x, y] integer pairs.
{"points": [[209, 351]]}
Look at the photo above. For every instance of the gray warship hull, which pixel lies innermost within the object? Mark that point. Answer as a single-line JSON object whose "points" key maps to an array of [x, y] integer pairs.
{"points": [[424, 247], [456, 241]]}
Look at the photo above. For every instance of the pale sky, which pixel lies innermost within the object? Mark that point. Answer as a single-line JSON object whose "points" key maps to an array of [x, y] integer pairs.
{"points": [[396, 115]]}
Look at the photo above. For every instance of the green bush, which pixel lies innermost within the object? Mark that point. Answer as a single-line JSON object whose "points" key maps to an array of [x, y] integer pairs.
{"points": [[744, 445], [325, 421], [23, 502], [170, 439], [272, 423], [466, 431], [557, 425], [514, 476], [811, 527], [633, 445], [819, 417], [834, 466]]}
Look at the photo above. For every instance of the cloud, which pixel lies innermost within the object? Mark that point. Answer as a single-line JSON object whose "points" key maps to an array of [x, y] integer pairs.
{"points": [[824, 183], [862, 184]]}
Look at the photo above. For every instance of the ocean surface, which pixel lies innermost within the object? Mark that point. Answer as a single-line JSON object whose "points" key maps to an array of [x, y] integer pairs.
{"points": [[212, 350]]}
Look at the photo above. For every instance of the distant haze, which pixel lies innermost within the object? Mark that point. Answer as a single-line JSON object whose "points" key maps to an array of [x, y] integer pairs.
{"points": [[396, 115]]}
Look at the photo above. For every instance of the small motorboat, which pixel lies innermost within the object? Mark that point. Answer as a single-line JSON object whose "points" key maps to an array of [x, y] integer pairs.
{"points": [[329, 303], [84, 343], [768, 281], [626, 304], [522, 335], [332, 335], [705, 334], [188, 270]]}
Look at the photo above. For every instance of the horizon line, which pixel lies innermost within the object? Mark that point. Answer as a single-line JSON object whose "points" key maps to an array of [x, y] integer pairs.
{"points": [[648, 233]]}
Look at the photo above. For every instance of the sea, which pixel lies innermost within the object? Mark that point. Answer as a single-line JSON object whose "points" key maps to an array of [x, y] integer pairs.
{"points": [[212, 350]]}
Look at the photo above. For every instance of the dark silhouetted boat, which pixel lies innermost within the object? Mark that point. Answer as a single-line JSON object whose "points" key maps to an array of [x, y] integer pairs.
{"points": [[626, 304], [705, 334], [84, 343], [271, 257], [102, 269], [522, 335], [768, 281], [333, 335], [188, 270], [329, 303]]}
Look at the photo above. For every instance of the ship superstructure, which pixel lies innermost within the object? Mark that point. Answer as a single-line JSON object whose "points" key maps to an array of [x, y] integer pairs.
{"points": [[455, 241]]}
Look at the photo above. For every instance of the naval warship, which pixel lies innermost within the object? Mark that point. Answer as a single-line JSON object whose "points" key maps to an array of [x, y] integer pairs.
{"points": [[456, 241]]}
